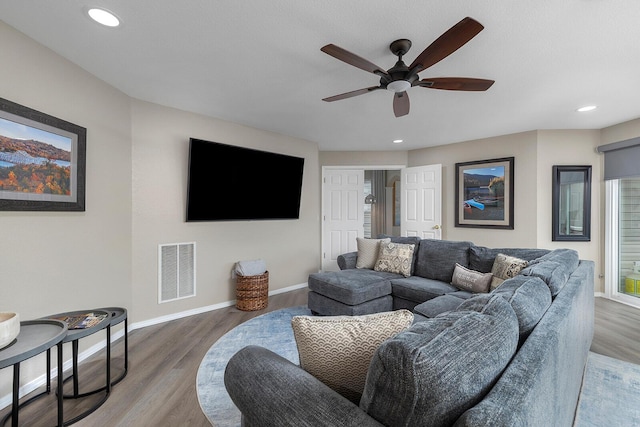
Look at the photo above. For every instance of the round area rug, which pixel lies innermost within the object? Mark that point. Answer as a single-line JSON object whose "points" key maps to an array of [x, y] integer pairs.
{"points": [[271, 330]]}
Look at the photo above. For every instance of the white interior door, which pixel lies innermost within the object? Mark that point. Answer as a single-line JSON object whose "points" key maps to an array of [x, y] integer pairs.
{"points": [[421, 202], [343, 214]]}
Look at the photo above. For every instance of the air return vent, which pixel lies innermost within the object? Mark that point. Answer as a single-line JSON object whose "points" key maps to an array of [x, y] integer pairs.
{"points": [[176, 271]]}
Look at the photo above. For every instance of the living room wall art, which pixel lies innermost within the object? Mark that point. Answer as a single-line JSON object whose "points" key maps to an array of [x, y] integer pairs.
{"points": [[484, 193], [42, 161]]}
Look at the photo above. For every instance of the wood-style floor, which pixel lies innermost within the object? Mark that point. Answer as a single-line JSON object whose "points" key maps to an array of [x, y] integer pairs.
{"points": [[160, 388]]}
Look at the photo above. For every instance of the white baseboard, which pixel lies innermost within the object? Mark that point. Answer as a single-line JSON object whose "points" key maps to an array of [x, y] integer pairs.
{"points": [[200, 310], [42, 379]]}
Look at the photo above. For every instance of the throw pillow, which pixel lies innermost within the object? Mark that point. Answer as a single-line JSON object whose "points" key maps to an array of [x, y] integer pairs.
{"points": [[470, 280], [338, 349], [505, 267], [395, 258], [368, 251]]}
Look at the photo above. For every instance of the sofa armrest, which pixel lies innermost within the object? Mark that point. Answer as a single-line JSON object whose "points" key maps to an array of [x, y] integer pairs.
{"points": [[269, 390], [348, 260]]}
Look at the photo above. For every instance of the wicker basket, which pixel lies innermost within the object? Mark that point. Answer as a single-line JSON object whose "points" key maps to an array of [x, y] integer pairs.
{"points": [[252, 292]]}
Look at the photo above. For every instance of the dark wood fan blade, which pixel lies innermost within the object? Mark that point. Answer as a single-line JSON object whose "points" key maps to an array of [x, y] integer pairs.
{"points": [[401, 104], [351, 94], [453, 39], [456, 83], [353, 59]]}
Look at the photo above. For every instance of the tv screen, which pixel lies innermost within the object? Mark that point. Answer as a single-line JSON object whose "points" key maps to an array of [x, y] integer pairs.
{"points": [[227, 183]]}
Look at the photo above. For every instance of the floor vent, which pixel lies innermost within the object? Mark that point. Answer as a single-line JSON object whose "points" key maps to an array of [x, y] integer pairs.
{"points": [[176, 271]]}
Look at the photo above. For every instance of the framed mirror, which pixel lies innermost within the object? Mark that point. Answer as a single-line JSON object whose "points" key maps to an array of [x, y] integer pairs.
{"points": [[571, 203]]}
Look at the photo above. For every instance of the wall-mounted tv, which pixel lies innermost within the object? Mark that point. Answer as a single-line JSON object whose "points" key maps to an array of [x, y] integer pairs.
{"points": [[231, 183]]}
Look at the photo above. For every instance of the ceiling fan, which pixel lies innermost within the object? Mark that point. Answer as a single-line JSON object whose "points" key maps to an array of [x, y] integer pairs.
{"points": [[401, 77]]}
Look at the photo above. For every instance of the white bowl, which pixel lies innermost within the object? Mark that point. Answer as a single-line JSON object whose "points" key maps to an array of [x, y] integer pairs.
{"points": [[9, 328]]}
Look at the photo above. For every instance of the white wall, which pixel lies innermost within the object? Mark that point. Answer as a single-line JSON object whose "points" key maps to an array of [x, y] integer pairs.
{"points": [[572, 147], [160, 162], [522, 146], [135, 199], [53, 262]]}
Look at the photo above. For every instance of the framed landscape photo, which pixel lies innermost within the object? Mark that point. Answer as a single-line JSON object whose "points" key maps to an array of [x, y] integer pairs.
{"points": [[42, 161], [484, 193]]}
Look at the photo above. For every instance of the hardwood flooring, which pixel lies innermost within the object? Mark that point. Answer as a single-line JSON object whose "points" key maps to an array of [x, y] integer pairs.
{"points": [[617, 330], [160, 390], [160, 387]]}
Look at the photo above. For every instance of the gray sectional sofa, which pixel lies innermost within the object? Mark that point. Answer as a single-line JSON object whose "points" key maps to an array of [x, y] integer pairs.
{"points": [[512, 357]]}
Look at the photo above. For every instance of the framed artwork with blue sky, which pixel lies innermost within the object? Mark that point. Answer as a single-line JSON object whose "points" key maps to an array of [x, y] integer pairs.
{"points": [[42, 161], [484, 193]]}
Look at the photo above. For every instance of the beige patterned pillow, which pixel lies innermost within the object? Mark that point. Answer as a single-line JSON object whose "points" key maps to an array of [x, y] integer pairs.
{"points": [[368, 251], [338, 349], [395, 258], [471, 280], [505, 267]]}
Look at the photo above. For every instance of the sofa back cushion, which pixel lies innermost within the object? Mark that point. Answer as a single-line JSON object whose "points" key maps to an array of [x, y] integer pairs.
{"points": [[431, 373], [529, 297], [481, 258], [554, 268], [437, 258]]}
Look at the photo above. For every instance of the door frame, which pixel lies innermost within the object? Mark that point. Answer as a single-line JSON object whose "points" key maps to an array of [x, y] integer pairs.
{"points": [[322, 189]]}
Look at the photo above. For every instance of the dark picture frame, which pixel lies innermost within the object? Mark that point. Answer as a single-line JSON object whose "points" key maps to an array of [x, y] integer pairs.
{"points": [[484, 193], [42, 161], [571, 203]]}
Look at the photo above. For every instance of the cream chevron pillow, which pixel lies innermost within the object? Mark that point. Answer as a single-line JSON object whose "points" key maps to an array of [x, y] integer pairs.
{"points": [[337, 350], [368, 251]]}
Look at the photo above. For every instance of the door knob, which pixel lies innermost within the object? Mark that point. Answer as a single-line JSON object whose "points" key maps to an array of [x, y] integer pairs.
{"points": [[436, 227]]}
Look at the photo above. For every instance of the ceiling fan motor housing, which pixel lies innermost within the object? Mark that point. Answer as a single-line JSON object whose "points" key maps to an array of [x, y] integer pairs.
{"points": [[399, 78]]}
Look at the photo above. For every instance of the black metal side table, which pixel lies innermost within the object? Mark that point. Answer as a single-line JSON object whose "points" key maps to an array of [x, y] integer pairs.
{"points": [[74, 334], [35, 337], [119, 315]]}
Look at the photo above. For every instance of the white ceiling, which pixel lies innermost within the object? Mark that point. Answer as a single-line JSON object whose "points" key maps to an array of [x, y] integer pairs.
{"points": [[259, 63]]}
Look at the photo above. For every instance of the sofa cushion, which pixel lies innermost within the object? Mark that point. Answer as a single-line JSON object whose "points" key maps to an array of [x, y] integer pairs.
{"points": [[395, 258], [419, 289], [505, 267], [554, 268], [438, 305], [440, 367], [351, 286], [325, 306], [368, 251], [481, 258], [529, 297], [338, 349], [469, 280], [462, 294], [437, 258]]}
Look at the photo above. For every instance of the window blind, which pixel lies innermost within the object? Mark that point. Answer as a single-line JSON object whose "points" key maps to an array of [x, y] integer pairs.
{"points": [[621, 159]]}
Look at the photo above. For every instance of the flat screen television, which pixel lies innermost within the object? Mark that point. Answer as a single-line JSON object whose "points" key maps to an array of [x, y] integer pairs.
{"points": [[231, 183]]}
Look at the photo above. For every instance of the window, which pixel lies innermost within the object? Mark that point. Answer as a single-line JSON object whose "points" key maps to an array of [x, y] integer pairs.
{"points": [[623, 240]]}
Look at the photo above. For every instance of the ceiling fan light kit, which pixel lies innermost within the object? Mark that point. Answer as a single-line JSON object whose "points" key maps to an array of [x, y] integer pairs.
{"points": [[401, 77]]}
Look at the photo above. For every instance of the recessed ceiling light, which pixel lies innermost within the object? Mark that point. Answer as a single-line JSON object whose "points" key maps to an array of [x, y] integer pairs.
{"points": [[104, 17], [397, 141], [587, 108]]}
